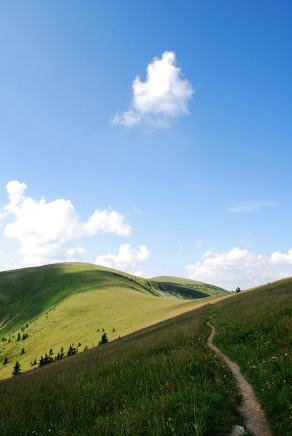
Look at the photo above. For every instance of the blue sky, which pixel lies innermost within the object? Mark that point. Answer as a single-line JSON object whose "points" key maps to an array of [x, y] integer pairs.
{"points": [[206, 194]]}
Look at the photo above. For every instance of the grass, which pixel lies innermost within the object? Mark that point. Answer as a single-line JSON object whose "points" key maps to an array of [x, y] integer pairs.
{"points": [[27, 293], [255, 330], [65, 304], [160, 381]]}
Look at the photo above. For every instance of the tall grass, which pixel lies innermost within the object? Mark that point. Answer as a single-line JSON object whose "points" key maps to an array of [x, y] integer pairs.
{"points": [[255, 330], [160, 381]]}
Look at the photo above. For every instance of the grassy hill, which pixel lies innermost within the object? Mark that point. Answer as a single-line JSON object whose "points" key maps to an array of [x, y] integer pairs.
{"points": [[164, 380], [62, 304], [255, 329], [172, 282]]}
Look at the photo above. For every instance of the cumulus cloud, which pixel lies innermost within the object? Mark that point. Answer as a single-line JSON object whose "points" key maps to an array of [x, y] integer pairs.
{"points": [[162, 96], [249, 207], [279, 258], [126, 258], [240, 267], [44, 228]]}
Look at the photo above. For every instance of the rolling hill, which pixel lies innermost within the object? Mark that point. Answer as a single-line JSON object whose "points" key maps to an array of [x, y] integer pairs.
{"points": [[163, 379], [171, 282], [57, 305]]}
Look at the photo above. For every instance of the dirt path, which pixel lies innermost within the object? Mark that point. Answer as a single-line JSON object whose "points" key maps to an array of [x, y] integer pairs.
{"points": [[250, 409]]}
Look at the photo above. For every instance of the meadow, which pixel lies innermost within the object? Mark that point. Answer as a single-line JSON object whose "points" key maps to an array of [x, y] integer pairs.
{"points": [[162, 380], [58, 305], [255, 330]]}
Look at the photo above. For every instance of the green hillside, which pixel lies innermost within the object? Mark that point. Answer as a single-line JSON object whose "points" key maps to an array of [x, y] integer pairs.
{"points": [[192, 285], [58, 305], [164, 380]]}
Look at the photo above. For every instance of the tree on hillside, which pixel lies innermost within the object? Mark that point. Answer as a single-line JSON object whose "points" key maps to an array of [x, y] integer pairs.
{"points": [[22, 351], [237, 289], [34, 362], [104, 339], [5, 361], [17, 368], [45, 360], [61, 354], [71, 351], [18, 337]]}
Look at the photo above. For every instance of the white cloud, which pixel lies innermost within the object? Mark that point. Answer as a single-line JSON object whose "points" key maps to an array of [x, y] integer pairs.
{"points": [[249, 207], [240, 267], [44, 228], [163, 95], [278, 258], [77, 251], [126, 259]]}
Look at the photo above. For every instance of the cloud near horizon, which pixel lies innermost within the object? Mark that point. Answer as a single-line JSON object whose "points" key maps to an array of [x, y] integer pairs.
{"points": [[241, 267], [164, 95], [45, 228], [126, 259]]}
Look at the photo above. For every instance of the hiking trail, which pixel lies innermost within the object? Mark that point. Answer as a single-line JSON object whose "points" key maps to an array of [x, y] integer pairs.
{"points": [[249, 409]]}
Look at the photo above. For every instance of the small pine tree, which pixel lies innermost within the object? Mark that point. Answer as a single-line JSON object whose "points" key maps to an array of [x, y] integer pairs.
{"points": [[237, 289], [22, 351], [51, 352], [71, 351], [17, 368], [60, 355], [18, 336], [34, 362], [5, 361], [104, 339]]}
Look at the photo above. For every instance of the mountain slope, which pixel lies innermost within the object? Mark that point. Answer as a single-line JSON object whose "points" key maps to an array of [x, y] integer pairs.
{"points": [[60, 304], [192, 285], [25, 293], [164, 380]]}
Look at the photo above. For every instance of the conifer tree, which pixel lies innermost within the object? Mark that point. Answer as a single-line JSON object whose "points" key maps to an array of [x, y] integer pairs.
{"points": [[22, 351], [17, 368], [71, 351], [5, 361], [104, 339], [60, 355]]}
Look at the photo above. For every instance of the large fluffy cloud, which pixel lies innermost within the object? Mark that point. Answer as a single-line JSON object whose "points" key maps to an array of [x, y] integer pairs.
{"points": [[126, 258], [163, 95], [44, 228], [240, 267]]}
